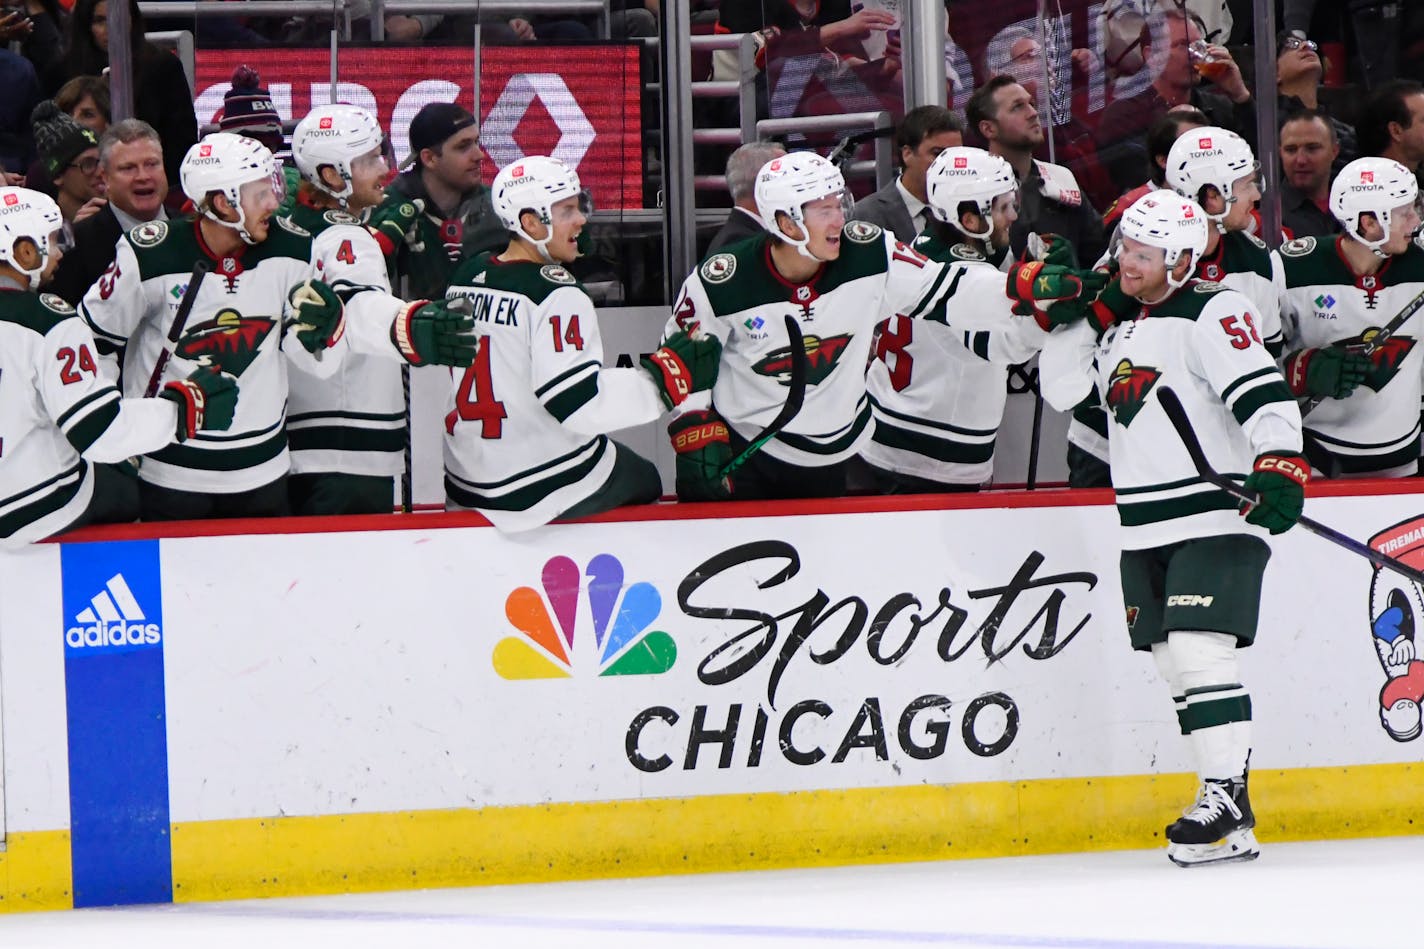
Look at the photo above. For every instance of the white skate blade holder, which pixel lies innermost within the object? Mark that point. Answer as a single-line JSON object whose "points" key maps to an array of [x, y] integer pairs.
{"points": [[1237, 846]]}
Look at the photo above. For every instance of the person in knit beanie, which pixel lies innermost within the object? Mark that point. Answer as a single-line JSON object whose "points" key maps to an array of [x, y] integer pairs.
{"points": [[69, 153], [248, 110]]}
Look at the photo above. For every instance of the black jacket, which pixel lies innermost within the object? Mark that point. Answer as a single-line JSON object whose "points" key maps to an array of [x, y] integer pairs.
{"points": [[94, 250], [739, 227]]}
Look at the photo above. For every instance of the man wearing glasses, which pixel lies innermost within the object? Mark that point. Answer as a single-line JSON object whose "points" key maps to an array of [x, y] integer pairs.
{"points": [[69, 153], [1298, 73]]}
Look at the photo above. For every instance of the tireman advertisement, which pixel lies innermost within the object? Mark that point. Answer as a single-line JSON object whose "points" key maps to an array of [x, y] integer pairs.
{"points": [[1396, 609]]}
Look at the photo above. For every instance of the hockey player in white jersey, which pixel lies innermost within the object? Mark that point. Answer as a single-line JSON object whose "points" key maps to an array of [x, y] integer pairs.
{"points": [[526, 429], [347, 430], [63, 423], [1191, 567], [938, 384], [1340, 292], [236, 322], [838, 281]]}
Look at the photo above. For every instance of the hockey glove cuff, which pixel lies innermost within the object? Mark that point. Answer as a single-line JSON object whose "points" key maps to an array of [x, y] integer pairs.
{"points": [[704, 447], [440, 333], [1331, 372], [684, 364], [1279, 480], [317, 314], [394, 222], [206, 400], [1112, 305]]}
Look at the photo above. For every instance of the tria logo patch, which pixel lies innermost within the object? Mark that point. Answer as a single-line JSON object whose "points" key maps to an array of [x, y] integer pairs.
{"points": [[1325, 301], [1128, 389], [822, 355], [229, 341], [112, 618]]}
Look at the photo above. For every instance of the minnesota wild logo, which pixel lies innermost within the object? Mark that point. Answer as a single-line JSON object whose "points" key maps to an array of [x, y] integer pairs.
{"points": [[822, 354], [1387, 358], [229, 341], [1128, 388]]}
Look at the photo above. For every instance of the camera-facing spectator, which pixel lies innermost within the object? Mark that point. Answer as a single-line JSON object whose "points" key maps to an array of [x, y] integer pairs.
{"points": [[743, 221], [1299, 71], [69, 155], [131, 163], [1391, 123], [902, 206], [85, 99], [1309, 153]]}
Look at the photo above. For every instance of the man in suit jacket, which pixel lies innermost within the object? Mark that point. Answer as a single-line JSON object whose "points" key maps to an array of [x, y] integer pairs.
{"points": [[131, 163], [901, 206], [742, 168]]}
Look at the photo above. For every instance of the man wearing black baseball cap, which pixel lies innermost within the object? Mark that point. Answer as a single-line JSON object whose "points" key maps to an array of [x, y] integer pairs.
{"points": [[443, 173]]}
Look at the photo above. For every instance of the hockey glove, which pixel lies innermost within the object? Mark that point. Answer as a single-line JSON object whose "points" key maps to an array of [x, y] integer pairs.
{"points": [[1112, 305], [704, 447], [206, 400], [317, 314], [1279, 480], [1058, 251], [684, 364], [393, 222], [1332, 372], [1036, 287], [440, 333]]}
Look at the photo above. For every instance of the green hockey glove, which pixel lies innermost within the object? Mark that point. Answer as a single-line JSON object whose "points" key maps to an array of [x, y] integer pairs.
{"points": [[1332, 372], [1279, 480], [206, 400], [684, 364], [704, 447], [318, 315], [1113, 305], [436, 333], [393, 222], [1035, 287]]}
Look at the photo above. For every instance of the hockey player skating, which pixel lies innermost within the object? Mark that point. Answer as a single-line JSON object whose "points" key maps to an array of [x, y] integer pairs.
{"points": [[525, 432], [1191, 567], [837, 280], [236, 323], [1339, 293], [938, 384], [347, 430], [63, 423]]}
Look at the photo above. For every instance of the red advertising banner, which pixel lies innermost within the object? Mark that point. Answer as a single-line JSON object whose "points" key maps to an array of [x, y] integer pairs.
{"points": [[578, 103]]}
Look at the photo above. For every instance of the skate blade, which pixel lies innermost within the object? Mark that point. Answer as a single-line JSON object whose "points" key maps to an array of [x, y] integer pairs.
{"points": [[1233, 848]]}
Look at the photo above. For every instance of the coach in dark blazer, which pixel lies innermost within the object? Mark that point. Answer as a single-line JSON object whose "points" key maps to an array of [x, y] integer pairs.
{"points": [[900, 206], [131, 162], [742, 168]]}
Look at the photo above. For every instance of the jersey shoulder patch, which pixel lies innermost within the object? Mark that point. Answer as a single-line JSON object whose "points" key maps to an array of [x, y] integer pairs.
{"points": [[291, 227], [718, 268], [1255, 240], [862, 232], [339, 217], [965, 252], [149, 234], [1298, 247], [1209, 286], [557, 274], [56, 304]]}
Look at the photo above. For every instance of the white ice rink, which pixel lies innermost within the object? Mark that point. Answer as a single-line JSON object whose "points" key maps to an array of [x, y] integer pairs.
{"points": [[1333, 895]]}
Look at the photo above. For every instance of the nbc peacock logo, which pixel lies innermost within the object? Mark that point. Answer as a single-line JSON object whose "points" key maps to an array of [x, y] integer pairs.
{"points": [[620, 616]]}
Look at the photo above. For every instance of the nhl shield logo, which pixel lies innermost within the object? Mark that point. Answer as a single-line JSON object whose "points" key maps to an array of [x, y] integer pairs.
{"points": [[1211, 272], [1128, 389]]}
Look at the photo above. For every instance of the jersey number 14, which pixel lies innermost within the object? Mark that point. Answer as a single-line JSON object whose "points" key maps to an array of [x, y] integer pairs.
{"points": [[475, 401]]}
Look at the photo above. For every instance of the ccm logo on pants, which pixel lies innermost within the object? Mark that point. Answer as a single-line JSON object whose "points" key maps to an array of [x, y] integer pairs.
{"points": [[1189, 599]]}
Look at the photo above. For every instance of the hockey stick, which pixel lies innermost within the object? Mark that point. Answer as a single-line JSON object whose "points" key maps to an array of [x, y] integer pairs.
{"points": [[1373, 346], [1178, 417], [794, 398], [180, 320]]}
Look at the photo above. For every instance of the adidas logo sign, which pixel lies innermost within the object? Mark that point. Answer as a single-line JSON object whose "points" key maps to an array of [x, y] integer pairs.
{"points": [[114, 618]]}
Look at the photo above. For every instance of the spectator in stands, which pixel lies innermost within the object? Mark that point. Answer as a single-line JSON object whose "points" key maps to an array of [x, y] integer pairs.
{"points": [[502, 28], [22, 94], [85, 99], [1050, 200], [161, 94], [1391, 123], [1298, 75], [902, 207], [131, 163], [1167, 41], [248, 111], [443, 173], [70, 155], [36, 26], [742, 168], [1309, 152], [1377, 28], [1160, 138]]}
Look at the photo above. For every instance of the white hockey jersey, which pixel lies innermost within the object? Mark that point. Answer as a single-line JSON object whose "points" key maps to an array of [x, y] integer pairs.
{"points": [[1204, 343], [352, 421], [524, 435], [1243, 262], [739, 297], [1376, 429], [58, 412], [938, 385], [236, 324]]}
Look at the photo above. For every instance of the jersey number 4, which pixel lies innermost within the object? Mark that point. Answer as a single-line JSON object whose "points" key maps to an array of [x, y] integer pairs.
{"points": [[475, 401]]}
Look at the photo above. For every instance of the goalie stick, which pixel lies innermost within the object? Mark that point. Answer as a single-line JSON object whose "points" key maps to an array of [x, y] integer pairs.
{"points": [[1178, 417], [180, 320], [794, 399], [1375, 343]]}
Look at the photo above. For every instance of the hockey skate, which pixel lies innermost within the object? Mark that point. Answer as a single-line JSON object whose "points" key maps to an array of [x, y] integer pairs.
{"points": [[1216, 829]]}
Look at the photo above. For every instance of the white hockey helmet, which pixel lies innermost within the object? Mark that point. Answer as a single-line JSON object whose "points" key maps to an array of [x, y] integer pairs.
{"points": [[224, 162], [1212, 156], [786, 184], [535, 183], [967, 174], [1377, 186], [334, 135], [1175, 224], [27, 215]]}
